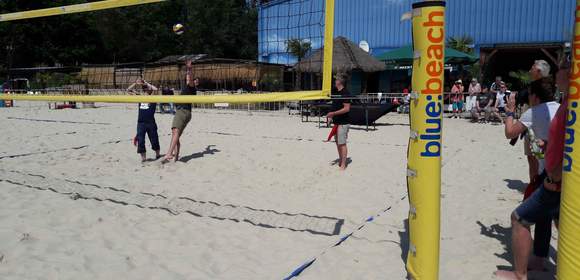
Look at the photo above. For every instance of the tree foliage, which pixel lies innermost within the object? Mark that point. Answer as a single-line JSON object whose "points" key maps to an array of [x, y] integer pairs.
{"points": [[461, 43], [299, 49], [219, 28], [522, 77]]}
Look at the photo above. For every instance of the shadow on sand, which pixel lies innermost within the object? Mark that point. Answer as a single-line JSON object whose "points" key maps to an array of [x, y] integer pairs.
{"points": [[336, 161], [209, 150], [404, 242], [504, 236], [517, 185]]}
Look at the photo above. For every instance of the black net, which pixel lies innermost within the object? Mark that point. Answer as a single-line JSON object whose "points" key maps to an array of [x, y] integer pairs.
{"points": [[291, 33], [288, 46]]}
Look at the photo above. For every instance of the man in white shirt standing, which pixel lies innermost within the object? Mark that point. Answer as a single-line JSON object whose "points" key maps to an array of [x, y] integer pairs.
{"points": [[540, 69], [474, 90]]}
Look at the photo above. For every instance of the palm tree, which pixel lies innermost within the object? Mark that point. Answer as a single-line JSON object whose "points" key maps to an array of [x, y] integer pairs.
{"points": [[462, 43], [522, 76], [298, 48]]}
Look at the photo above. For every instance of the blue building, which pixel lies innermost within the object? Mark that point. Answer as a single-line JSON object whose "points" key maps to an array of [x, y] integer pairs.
{"points": [[508, 34]]}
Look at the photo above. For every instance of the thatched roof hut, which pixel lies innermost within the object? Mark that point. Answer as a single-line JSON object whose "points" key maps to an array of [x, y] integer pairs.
{"points": [[175, 59], [215, 73], [347, 56]]}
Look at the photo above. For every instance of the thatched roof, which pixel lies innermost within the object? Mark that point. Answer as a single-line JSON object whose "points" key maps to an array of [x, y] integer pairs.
{"points": [[180, 58], [347, 56]]}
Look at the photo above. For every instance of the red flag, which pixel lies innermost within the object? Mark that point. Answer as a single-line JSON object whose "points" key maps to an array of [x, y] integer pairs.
{"points": [[332, 132]]}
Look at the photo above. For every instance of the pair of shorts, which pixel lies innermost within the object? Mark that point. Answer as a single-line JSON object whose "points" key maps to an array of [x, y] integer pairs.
{"points": [[458, 105], [542, 205], [181, 119], [501, 109], [342, 134]]}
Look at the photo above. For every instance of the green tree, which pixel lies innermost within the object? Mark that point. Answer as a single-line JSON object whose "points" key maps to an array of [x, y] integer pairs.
{"points": [[462, 43], [219, 28], [299, 49], [48, 41], [522, 76]]}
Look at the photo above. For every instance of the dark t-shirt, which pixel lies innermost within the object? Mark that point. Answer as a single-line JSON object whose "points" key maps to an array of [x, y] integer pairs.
{"points": [[167, 92], [186, 91], [337, 104], [485, 98], [147, 112]]}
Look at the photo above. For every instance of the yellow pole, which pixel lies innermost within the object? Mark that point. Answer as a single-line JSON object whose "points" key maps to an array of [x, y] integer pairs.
{"points": [[569, 238], [425, 143], [78, 8], [328, 47]]}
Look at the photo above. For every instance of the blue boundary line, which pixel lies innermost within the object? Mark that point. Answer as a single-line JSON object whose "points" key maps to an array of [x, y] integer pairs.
{"points": [[296, 272]]}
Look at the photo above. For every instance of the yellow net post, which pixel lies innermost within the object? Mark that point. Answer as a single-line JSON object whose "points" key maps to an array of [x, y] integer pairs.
{"points": [[71, 9], [425, 143], [569, 238], [328, 47]]}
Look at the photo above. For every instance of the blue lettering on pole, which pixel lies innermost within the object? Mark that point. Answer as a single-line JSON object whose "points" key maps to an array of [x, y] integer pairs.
{"points": [[432, 134], [570, 138]]}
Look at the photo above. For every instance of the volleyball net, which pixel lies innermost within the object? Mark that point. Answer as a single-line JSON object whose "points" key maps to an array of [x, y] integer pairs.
{"points": [[294, 63]]}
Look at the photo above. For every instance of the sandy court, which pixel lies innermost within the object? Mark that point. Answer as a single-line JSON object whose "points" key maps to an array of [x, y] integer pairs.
{"points": [[254, 197]]}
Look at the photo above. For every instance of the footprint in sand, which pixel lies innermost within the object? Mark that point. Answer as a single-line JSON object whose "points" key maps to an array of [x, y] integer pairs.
{"points": [[25, 237]]}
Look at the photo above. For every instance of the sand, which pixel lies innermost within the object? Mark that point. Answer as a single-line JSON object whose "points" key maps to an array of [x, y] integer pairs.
{"points": [[255, 197]]}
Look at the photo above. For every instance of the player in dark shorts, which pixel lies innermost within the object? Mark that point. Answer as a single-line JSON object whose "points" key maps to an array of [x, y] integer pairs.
{"points": [[146, 124], [182, 116]]}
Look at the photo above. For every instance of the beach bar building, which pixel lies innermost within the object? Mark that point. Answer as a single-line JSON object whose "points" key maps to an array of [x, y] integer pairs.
{"points": [[508, 35]]}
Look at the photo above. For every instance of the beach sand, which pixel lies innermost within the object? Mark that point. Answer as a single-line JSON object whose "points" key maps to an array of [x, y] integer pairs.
{"points": [[254, 197]]}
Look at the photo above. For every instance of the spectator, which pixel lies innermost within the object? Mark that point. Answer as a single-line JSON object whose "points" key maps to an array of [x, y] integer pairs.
{"points": [[457, 98], [495, 87], [482, 104], [404, 108], [540, 69], [474, 90], [500, 101], [544, 204]]}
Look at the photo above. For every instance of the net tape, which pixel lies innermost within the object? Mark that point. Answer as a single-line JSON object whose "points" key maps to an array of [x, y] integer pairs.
{"points": [[71, 9]]}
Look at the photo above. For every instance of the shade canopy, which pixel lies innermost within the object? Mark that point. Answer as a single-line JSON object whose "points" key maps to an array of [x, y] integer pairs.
{"points": [[404, 56], [347, 56]]}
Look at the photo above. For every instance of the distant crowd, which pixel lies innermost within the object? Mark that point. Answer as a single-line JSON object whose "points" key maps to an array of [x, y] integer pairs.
{"points": [[484, 103]]}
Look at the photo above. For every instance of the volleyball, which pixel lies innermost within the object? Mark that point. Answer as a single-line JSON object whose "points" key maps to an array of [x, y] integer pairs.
{"points": [[178, 28]]}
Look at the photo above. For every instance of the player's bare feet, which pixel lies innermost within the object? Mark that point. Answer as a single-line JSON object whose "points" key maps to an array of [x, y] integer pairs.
{"points": [[167, 159]]}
